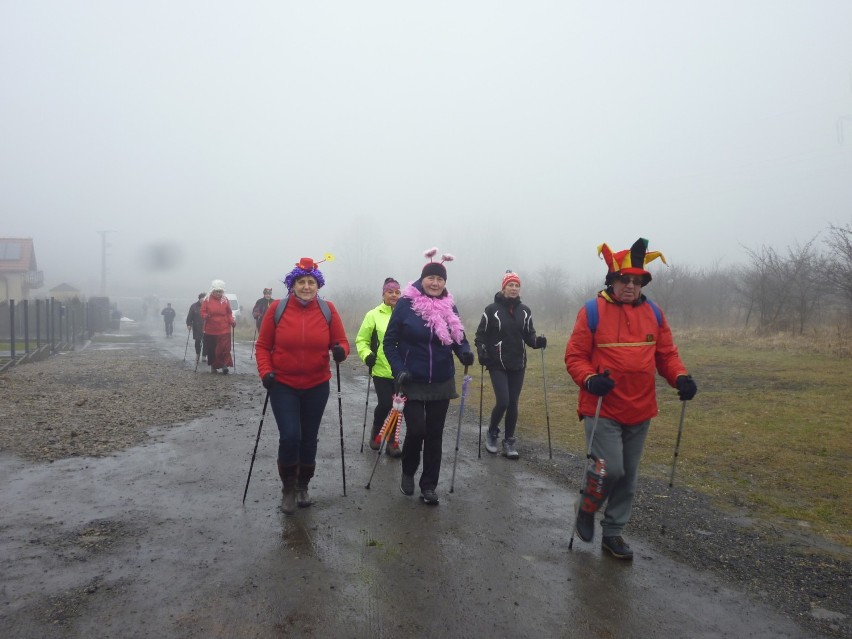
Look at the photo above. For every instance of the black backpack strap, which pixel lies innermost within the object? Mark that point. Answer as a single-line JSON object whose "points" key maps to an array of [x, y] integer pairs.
{"points": [[282, 306]]}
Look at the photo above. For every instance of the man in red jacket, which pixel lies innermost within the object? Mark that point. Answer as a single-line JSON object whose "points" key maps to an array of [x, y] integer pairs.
{"points": [[619, 342]]}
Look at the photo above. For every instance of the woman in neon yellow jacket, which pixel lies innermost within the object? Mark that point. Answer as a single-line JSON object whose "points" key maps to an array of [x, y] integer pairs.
{"points": [[370, 350]]}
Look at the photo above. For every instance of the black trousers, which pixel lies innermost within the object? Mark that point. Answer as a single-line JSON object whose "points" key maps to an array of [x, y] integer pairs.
{"points": [[507, 391], [424, 430], [384, 395]]}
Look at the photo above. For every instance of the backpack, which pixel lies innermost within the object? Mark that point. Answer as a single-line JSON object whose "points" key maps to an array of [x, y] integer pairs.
{"points": [[592, 313], [282, 306]]}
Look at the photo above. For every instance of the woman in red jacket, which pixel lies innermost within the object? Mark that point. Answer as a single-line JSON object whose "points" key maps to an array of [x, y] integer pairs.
{"points": [[218, 320], [293, 362]]}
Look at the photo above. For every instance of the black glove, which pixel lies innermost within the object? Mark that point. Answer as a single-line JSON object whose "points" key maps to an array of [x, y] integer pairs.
{"points": [[268, 380], [402, 378], [599, 384], [686, 387], [338, 353], [541, 341], [370, 360], [482, 353], [466, 358]]}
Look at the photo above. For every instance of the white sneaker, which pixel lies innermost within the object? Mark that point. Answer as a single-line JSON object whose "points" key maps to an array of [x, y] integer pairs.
{"points": [[491, 443], [509, 451]]}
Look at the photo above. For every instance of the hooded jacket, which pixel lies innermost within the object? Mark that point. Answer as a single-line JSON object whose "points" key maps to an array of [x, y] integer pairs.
{"points": [[506, 328], [297, 348], [370, 337], [217, 315], [411, 345], [633, 346]]}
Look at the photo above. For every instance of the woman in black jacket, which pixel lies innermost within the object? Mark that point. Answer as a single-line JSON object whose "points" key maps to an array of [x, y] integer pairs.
{"points": [[504, 332]]}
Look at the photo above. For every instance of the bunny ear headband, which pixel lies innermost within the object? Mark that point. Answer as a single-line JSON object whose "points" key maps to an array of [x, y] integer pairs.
{"points": [[435, 268]]}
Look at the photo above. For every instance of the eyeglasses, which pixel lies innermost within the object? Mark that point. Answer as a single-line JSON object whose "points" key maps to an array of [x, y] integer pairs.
{"points": [[632, 279]]}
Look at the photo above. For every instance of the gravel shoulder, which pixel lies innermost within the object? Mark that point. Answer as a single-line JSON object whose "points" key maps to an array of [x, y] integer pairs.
{"points": [[98, 400]]}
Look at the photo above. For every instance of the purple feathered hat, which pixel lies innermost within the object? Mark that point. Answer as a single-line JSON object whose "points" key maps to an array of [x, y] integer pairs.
{"points": [[306, 266]]}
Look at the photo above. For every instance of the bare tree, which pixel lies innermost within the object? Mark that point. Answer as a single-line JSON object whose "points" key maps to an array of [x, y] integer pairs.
{"points": [[838, 263], [760, 289], [803, 273], [549, 295]]}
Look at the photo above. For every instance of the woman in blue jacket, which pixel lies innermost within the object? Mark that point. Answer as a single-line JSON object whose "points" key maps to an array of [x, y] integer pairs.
{"points": [[423, 333]]}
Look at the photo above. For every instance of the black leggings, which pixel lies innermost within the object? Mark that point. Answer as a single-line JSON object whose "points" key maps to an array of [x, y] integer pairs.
{"points": [[424, 430], [507, 389], [384, 395]]}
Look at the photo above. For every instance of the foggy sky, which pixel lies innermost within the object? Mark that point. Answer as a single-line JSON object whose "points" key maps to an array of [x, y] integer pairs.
{"points": [[510, 134]]}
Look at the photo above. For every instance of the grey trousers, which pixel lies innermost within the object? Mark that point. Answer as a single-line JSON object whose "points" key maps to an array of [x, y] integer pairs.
{"points": [[621, 447]]}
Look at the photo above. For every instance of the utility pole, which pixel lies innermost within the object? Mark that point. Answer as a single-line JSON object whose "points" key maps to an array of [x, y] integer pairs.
{"points": [[104, 246], [843, 118]]}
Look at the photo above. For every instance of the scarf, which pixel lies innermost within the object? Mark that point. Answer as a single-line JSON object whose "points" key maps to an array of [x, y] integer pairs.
{"points": [[438, 314]]}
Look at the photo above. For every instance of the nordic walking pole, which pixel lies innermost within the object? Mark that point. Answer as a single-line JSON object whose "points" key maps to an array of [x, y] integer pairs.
{"points": [[586, 462], [465, 383], [198, 354], [262, 415], [253, 340], [234, 347], [366, 407], [378, 456], [674, 459], [387, 434], [546, 409], [186, 348], [481, 384], [340, 412]]}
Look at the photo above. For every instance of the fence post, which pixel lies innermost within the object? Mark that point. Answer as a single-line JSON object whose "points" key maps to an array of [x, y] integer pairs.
{"points": [[12, 329], [26, 327], [38, 324], [51, 326]]}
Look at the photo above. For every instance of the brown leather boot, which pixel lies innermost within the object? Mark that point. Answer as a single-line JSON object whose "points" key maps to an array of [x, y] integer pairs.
{"points": [[288, 486], [305, 474]]}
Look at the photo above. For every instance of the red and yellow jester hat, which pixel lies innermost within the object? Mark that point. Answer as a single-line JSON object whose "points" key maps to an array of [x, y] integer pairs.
{"points": [[629, 262]]}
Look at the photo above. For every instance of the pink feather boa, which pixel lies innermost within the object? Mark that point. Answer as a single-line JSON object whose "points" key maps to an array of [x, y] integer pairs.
{"points": [[438, 314]]}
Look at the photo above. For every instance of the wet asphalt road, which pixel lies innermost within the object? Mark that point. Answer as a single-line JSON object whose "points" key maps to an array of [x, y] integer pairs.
{"points": [[155, 542]]}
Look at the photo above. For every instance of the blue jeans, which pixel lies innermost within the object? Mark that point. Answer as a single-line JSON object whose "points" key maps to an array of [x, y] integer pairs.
{"points": [[298, 412]]}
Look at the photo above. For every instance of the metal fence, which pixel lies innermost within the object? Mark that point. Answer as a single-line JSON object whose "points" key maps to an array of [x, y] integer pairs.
{"points": [[39, 328]]}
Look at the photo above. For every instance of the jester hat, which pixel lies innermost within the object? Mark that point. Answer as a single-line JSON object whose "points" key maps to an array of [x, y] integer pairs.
{"points": [[307, 266], [630, 261]]}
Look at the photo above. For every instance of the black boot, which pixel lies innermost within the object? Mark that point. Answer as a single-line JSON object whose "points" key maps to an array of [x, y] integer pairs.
{"points": [[306, 473], [617, 547], [585, 525], [288, 486]]}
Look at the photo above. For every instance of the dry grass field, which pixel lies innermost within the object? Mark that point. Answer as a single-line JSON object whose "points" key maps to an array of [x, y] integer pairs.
{"points": [[767, 435]]}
